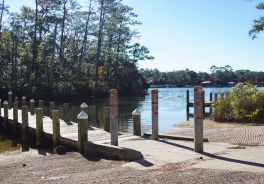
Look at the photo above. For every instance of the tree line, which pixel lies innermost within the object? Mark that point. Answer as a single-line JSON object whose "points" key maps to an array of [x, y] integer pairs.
{"points": [[218, 77], [60, 48]]}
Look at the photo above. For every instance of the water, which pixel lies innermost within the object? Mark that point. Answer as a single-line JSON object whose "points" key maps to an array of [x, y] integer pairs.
{"points": [[172, 109]]}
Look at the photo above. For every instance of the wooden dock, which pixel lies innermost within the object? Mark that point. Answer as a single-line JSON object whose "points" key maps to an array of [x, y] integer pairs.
{"points": [[98, 139]]}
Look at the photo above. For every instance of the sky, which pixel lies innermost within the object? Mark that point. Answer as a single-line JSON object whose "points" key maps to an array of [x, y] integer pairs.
{"points": [[195, 34]]}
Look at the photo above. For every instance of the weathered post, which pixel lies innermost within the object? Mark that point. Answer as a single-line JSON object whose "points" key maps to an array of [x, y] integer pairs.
{"points": [[5, 105], [136, 122], [82, 120], [15, 118], [56, 128], [155, 115], [211, 101], [114, 116], [41, 104], [52, 107], [16, 99], [39, 126], [84, 107], [32, 106], [24, 101], [222, 95], [107, 119], [10, 99], [187, 104], [66, 112], [24, 124], [198, 119]]}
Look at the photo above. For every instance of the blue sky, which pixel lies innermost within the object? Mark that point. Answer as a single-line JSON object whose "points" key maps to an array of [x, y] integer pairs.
{"points": [[195, 34]]}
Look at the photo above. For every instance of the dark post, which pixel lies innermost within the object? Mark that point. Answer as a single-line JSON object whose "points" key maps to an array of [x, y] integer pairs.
{"points": [[211, 101], [5, 105], [66, 112], [155, 115], [32, 106], [136, 122], [107, 119], [41, 104], [10, 99], [215, 97], [15, 118], [52, 107], [187, 104], [24, 101]]}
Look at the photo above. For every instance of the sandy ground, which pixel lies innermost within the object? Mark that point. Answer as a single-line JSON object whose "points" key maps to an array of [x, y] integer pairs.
{"points": [[30, 167], [225, 160]]}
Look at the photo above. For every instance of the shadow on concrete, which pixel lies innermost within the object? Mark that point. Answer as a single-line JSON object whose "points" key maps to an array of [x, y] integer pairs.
{"points": [[216, 156], [144, 162]]}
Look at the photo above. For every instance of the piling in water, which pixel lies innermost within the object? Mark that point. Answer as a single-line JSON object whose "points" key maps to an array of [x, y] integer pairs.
{"points": [[66, 112], [32, 106], [5, 105], [10, 99], [23, 101], [187, 104], [51, 108], [15, 118]]}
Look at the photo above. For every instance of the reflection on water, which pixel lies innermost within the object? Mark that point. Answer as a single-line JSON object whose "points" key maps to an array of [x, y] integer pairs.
{"points": [[172, 104]]}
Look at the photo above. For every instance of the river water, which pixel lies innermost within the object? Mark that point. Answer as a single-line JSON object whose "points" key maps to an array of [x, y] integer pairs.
{"points": [[172, 109]]}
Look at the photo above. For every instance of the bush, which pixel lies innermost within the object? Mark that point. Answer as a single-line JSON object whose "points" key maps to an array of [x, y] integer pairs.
{"points": [[244, 103]]}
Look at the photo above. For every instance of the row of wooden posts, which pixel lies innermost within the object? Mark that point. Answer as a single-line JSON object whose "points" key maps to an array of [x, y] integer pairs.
{"points": [[111, 116], [208, 104]]}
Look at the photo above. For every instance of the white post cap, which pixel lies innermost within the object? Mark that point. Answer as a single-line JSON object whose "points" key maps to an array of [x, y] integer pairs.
{"points": [[10, 93], [136, 112], [32, 100], [5, 103], [23, 97], [82, 115], [84, 105]]}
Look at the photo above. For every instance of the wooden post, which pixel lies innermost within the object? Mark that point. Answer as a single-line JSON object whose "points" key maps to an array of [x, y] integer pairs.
{"points": [[41, 104], [198, 119], [114, 116], [16, 99], [107, 119], [15, 118], [0, 107], [155, 115], [56, 128], [84, 107], [52, 107], [24, 101], [187, 104], [82, 120], [222, 95], [215, 97], [39, 126], [211, 101], [5, 105], [66, 112], [136, 122], [10, 99], [24, 124], [32, 106]]}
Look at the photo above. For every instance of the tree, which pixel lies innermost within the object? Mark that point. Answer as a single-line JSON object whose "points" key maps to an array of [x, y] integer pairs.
{"points": [[258, 23]]}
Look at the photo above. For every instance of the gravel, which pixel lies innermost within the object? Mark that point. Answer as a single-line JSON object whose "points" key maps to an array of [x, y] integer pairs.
{"points": [[74, 168]]}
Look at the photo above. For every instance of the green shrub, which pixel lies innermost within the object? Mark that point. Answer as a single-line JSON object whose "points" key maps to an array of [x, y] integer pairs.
{"points": [[244, 103]]}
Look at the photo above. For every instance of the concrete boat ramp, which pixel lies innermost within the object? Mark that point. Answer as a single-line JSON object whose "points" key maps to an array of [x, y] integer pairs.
{"points": [[146, 153]]}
